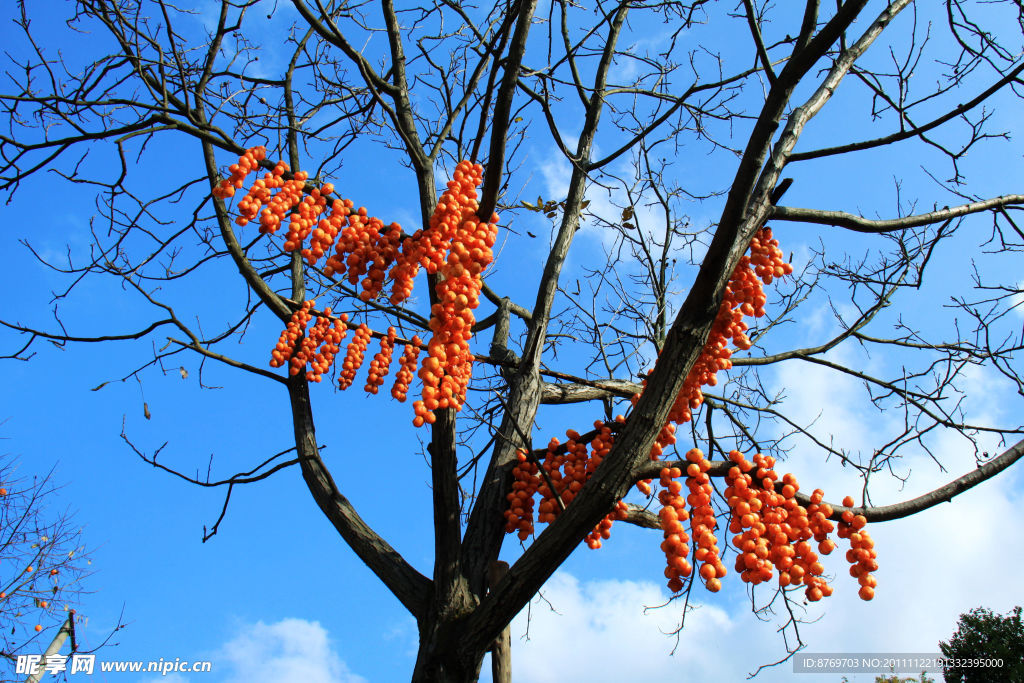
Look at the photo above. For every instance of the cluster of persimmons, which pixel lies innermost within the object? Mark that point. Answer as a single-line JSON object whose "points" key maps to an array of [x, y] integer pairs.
{"points": [[772, 530], [455, 247]]}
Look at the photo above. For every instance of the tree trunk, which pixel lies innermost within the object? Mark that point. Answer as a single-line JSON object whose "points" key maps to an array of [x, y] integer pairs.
{"points": [[501, 651], [443, 654], [441, 657]]}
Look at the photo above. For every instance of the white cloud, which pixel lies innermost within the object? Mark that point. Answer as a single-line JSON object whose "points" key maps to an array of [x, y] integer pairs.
{"points": [[603, 631], [290, 650], [606, 201], [829, 401], [556, 172], [934, 566]]}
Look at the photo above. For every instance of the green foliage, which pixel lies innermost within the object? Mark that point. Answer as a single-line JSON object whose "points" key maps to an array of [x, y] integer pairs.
{"points": [[909, 679], [981, 634]]}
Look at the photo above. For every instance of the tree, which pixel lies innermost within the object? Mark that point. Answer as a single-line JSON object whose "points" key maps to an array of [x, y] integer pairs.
{"points": [[983, 635], [447, 90], [42, 564]]}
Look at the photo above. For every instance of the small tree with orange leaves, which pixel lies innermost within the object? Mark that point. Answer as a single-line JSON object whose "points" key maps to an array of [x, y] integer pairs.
{"points": [[671, 331]]}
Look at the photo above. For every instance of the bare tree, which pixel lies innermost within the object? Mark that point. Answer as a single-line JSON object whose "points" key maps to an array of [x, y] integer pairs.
{"points": [[626, 94], [42, 564]]}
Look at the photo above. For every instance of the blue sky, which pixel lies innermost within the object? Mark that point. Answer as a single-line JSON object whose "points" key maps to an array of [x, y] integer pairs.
{"points": [[276, 596]]}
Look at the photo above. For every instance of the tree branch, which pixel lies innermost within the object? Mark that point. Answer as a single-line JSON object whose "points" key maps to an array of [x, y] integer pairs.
{"points": [[881, 513], [913, 131], [755, 32], [859, 224], [410, 587]]}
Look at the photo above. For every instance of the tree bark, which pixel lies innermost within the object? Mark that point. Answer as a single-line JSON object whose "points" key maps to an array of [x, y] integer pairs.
{"points": [[501, 651], [443, 656]]}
